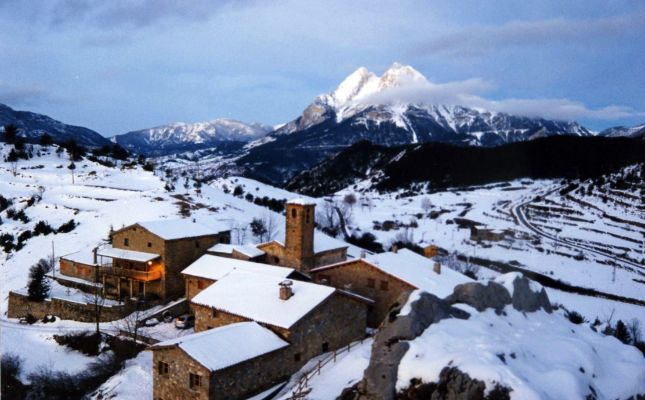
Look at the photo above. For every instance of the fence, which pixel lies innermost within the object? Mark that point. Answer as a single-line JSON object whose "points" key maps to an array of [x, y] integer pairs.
{"points": [[302, 388]]}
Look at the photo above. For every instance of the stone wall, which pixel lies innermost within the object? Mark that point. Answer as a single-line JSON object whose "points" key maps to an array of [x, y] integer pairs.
{"points": [[330, 257], [206, 318], [194, 285], [355, 276], [77, 270], [175, 385], [299, 235], [20, 306]]}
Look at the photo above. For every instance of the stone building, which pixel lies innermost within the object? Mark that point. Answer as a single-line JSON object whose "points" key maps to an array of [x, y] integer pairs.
{"points": [[312, 319], [302, 249], [383, 277], [209, 268], [230, 362], [479, 234], [146, 258]]}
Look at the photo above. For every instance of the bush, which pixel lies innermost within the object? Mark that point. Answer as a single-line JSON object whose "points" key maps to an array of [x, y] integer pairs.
{"points": [[10, 369], [67, 227], [86, 342], [238, 191], [367, 241], [6, 241], [4, 203], [575, 317], [621, 333], [42, 228], [38, 287]]}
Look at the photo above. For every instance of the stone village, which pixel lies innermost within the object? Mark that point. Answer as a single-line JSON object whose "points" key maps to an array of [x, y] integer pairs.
{"points": [[261, 311]]}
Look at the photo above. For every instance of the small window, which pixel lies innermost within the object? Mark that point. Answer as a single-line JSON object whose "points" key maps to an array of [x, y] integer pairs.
{"points": [[162, 368], [297, 357], [325, 347], [384, 285], [293, 213], [126, 242], [195, 380], [201, 284], [307, 216], [214, 313], [197, 244], [276, 260], [149, 244], [370, 283]]}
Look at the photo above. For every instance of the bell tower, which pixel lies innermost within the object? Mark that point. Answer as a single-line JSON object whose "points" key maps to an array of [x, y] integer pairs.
{"points": [[299, 241]]}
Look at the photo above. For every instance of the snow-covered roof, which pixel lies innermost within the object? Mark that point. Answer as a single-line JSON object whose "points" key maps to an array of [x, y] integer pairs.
{"points": [[414, 269], [246, 249], [169, 229], [323, 242], [301, 201], [124, 254], [82, 257], [256, 296], [215, 267], [227, 345]]}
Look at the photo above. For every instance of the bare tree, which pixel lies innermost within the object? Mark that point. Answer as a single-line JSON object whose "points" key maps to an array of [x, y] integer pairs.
{"points": [[264, 228], [131, 323], [635, 331], [272, 226], [327, 218], [350, 200], [426, 204], [238, 233]]}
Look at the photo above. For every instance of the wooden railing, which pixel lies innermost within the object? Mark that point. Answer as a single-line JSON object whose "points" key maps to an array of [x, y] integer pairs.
{"points": [[302, 388], [131, 273]]}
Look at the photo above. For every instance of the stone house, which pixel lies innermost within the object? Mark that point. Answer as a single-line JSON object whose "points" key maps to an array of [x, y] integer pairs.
{"points": [[230, 362], [479, 234], [146, 258], [383, 277], [209, 268], [303, 249]]}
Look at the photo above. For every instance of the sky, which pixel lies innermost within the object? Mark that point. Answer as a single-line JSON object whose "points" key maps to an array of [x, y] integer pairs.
{"points": [[115, 66]]}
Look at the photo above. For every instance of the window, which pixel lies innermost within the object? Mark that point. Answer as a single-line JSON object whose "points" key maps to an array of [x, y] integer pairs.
{"points": [[149, 244], [197, 244], [297, 357], [214, 313], [307, 216], [201, 284], [384, 285], [370, 283], [293, 213], [126, 242], [325, 347], [195, 380], [162, 368], [276, 260]]}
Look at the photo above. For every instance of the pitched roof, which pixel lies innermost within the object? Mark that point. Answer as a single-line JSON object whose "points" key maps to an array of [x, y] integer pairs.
{"points": [[228, 345], [170, 229], [124, 254], [216, 267], [412, 268], [256, 297], [246, 249]]}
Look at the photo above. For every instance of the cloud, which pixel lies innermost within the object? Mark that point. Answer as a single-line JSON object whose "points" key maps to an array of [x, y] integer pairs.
{"points": [[23, 95], [480, 40], [109, 15], [469, 93]]}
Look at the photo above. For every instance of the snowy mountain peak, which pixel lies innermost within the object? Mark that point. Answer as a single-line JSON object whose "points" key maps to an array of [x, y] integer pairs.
{"points": [[401, 75], [353, 85]]}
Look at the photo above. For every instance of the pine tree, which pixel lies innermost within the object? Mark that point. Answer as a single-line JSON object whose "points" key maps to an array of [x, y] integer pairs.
{"points": [[46, 140], [622, 333], [38, 288], [10, 133]]}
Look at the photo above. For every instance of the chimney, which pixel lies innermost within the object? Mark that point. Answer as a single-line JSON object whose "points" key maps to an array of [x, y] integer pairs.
{"points": [[94, 256], [394, 248], [437, 268], [285, 289]]}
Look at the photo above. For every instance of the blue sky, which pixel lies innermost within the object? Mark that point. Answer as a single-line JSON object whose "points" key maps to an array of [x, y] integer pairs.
{"points": [[115, 66]]}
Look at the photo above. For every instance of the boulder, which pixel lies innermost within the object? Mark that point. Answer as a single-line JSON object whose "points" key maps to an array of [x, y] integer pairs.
{"points": [[390, 343], [527, 299], [492, 295]]}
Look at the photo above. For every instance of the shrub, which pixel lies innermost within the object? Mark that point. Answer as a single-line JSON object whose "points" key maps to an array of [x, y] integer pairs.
{"points": [[38, 287], [621, 333], [367, 241], [575, 317], [6, 241], [86, 342], [148, 167], [42, 228], [238, 191], [67, 227], [4, 203], [10, 369]]}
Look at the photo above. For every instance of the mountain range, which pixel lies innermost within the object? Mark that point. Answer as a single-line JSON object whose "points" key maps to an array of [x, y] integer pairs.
{"points": [[32, 125], [179, 137]]}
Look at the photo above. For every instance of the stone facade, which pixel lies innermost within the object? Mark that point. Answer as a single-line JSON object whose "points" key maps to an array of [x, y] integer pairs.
{"points": [[195, 284], [236, 382], [77, 269], [365, 279]]}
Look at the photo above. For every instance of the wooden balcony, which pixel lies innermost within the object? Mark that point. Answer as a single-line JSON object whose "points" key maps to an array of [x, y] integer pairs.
{"points": [[145, 276]]}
